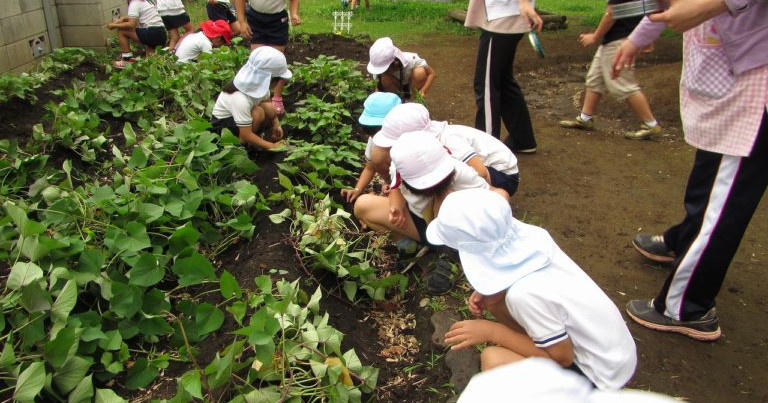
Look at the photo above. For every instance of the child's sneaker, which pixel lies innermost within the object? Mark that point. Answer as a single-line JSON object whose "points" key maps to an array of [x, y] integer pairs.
{"points": [[578, 123], [442, 277], [644, 133], [277, 102]]}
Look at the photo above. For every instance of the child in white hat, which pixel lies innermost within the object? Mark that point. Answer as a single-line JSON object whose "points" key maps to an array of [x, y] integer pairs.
{"points": [[375, 109], [400, 72], [491, 158], [546, 306], [244, 106]]}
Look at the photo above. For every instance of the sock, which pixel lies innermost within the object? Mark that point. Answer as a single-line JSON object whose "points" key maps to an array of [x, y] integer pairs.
{"points": [[585, 117], [127, 55], [652, 123]]}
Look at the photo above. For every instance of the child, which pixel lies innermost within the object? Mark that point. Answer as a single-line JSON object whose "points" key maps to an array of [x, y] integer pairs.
{"points": [[546, 306], [422, 175], [610, 34], [375, 108], [243, 106], [492, 160], [266, 23], [223, 10], [212, 34], [174, 17], [143, 25], [399, 72]]}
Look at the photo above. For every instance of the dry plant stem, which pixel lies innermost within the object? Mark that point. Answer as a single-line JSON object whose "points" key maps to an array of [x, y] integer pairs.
{"points": [[303, 267]]}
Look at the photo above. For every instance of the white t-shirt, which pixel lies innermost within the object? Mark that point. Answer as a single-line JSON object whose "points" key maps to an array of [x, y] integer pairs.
{"points": [[465, 142], [413, 61], [192, 45], [561, 301], [170, 7], [369, 149], [267, 6], [145, 13], [464, 178], [238, 106]]}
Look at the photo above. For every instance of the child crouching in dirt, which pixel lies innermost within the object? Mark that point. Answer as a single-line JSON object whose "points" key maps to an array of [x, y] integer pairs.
{"points": [[544, 304], [375, 108], [213, 34], [403, 73], [142, 25], [244, 106], [422, 175]]}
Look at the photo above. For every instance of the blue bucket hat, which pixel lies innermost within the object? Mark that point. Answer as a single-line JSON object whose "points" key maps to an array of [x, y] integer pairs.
{"points": [[376, 107]]}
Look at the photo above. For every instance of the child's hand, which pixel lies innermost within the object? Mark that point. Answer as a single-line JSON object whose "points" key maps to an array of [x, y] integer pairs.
{"points": [[277, 133], [468, 333], [350, 194], [295, 20], [476, 304], [397, 216], [587, 39]]}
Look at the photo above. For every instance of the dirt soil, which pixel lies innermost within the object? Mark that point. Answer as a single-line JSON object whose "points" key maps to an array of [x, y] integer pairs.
{"points": [[592, 191]]}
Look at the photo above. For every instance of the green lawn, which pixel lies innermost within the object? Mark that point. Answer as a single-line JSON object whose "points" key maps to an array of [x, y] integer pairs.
{"points": [[405, 20]]}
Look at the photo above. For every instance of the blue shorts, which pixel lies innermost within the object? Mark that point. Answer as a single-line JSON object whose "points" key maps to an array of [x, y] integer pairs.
{"points": [[268, 29], [152, 36], [221, 11], [504, 181], [421, 228], [175, 21]]}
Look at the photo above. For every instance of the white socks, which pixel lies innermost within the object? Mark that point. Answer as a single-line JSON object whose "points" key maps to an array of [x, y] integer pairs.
{"points": [[585, 117]]}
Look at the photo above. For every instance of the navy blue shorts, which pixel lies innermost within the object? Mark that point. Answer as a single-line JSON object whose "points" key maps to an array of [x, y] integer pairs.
{"points": [[217, 125], [221, 11], [504, 181], [175, 21], [152, 36], [421, 228], [268, 29]]}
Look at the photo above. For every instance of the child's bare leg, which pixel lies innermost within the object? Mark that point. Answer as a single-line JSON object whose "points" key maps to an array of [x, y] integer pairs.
{"points": [[639, 104], [373, 212], [174, 34], [389, 83], [494, 356], [418, 79], [125, 36], [591, 100]]}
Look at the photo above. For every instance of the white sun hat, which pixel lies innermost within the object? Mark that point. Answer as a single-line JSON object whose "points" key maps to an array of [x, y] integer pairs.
{"points": [[408, 117], [420, 160], [382, 53], [264, 63], [495, 249]]}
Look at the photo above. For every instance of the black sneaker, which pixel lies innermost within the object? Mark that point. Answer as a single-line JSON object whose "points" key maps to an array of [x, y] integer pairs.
{"points": [[442, 277], [653, 247], [702, 329]]}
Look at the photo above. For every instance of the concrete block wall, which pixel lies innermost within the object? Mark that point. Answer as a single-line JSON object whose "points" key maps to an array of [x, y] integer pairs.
{"points": [[23, 34], [32, 28]]}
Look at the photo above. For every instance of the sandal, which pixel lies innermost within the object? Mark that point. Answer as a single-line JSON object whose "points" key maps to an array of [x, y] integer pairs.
{"points": [[121, 64], [442, 278]]}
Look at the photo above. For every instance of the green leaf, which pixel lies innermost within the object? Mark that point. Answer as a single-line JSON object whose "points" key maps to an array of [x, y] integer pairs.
{"points": [[135, 238], [26, 226], [64, 302], [68, 376], [237, 309], [191, 383], [112, 342], [150, 212], [23, 273], [62, 348], [154, 326], [30, 382], [140, 375], [138, 158], [83, 392], [350, 289], [108, 396], [126, 299], [187, 179], [228, 286], [208, 318], [146, 271], [129, 134], [193, 269], [34, 298], [182, 238], [8, 356]]}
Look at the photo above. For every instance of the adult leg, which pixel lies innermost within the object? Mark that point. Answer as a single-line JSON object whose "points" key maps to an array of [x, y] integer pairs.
{"points": [[480, 81], [512, 106], [721, 197]]}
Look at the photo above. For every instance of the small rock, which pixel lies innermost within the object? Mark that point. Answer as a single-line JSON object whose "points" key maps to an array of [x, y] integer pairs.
{"points": [[441, 322]]}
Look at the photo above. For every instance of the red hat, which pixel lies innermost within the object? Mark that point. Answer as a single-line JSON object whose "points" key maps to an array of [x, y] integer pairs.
{"points": [[212, 29]]}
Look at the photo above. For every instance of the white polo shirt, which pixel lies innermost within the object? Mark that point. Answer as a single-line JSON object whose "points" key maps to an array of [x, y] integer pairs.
{"points": [[465, 142], [145, 13], [560, 301], [170, 7], [236, 105], [464, 178], [192, 45]]}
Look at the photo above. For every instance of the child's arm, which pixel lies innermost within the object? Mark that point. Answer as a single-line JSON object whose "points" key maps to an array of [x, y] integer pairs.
{"points": [[242, 20], [606, 22], [365, 178], [248, 137], [125, 22], [477, 164], [431, 74], [293, 10]]}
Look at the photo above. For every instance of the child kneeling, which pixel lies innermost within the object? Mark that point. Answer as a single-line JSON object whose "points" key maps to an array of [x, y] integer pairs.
{"points": [[545, 305]]}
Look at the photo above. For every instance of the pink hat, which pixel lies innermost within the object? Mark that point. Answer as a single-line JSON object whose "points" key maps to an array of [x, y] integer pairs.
{"points": [[408, 117], [421, 160], [213, 29], [382, 53]]}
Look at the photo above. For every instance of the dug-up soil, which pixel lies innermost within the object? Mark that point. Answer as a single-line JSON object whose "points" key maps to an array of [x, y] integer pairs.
{"points": [[592, 190]]}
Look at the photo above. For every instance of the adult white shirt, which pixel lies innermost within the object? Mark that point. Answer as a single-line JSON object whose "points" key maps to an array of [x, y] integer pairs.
{"points": [[145, 13], [560, 301], [192, 45]]}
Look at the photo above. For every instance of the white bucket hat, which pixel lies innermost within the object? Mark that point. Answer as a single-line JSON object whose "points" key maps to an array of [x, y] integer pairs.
{"points": [[495, 249], [264, 63], [382, 53], [408, 117], [421, 160]]}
